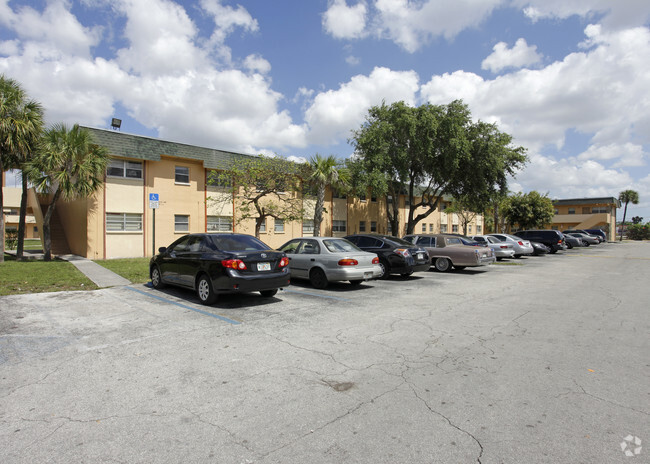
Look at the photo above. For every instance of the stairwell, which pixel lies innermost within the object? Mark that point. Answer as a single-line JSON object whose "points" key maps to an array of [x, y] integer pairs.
{"points": [[57, 234]]}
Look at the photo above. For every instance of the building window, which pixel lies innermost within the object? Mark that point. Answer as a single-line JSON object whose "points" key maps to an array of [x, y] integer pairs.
{"points": [[126, 222], [556, 211], [599, 209], [278, 228], [389, 199], [572, 211], [373, 226], [263, 226], [430, 228], [469, 229], [182, 175], [479, 230], [443, 228], [373, 199], [338, 226], [308, 227], [362, 226], [124, 168], [181, 223], [454, 229], [362, 198], [424, 228], [219, 224]]}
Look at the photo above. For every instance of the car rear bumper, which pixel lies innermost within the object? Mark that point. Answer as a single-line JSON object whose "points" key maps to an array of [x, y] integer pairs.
{"points": [[354, 273], [234, 282], [504, 253]]}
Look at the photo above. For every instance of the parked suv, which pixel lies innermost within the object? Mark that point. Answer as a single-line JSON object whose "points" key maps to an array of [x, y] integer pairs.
{"points": [[554, 239], [396, 256]]}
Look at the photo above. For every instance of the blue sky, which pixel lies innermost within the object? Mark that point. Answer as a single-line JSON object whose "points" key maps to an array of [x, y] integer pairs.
{"points": [[569, 80]]}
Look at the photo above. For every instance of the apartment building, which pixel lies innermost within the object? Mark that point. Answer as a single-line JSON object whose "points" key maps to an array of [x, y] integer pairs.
{"points": [[155, 191], [586, 213]]}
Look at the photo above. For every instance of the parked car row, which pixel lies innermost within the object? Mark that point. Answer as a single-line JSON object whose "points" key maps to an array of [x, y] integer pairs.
{"points": [[214, 264]]}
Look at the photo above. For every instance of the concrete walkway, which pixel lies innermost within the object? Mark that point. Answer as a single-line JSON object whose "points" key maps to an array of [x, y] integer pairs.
{"points": [[98, 274]]}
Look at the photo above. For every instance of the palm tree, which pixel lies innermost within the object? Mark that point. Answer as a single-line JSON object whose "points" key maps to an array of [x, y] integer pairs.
{"points": [[21, 124], [70, 166], [627, 196], [324, 172]]}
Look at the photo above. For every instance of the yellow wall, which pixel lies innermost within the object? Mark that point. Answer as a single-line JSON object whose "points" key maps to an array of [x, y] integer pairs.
{"points": [[122, 196]]}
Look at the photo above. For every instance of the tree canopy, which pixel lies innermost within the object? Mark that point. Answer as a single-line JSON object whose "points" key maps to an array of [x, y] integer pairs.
{"points": [[528, 210], [627, 196], [262, 187], [321, 172], [427, 151]]}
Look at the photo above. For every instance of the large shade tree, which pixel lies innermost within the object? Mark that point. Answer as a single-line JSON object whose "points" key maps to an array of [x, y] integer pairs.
{"points": [[323, 171], [69, 166], [21, 125], [627, 196], [262, 187], [428, 151]]}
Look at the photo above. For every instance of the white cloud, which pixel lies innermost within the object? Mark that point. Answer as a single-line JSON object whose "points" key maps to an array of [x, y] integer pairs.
{"points": [[336, 112], [256, 63], [519, 56], [628, 154], [615, 14], [345, 22], [413, 24]]}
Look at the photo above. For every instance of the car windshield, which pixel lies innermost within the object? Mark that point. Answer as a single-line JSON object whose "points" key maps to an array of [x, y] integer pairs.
{"points": [[237, 243], [340, 245]]}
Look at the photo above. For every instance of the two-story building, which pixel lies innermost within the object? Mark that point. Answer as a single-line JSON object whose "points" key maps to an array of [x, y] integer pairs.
{"points": [[586, 213]]}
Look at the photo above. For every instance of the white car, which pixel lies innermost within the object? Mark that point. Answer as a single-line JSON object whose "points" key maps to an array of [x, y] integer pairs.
{"points": [[501, 249], [326, 259], [522, 247]]}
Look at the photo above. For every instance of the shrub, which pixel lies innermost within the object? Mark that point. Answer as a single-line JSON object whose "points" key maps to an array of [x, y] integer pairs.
{"points": [[638, 232], [11, 239]]}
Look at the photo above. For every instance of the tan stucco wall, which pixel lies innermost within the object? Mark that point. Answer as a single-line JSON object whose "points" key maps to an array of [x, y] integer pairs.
{"points": [[122, 196]]}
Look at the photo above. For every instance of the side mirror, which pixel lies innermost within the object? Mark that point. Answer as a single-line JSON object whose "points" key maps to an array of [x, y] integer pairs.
{"points": [[162, 249]]}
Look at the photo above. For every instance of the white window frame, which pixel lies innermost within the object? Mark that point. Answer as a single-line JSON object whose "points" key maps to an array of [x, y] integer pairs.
{"points": [[373, 226], [339, 225], [219, 224], [362, 226], [123, 222], [263, 226], [278, 226], [308, 227], [178, 174], [181, 223], [125, 166]]}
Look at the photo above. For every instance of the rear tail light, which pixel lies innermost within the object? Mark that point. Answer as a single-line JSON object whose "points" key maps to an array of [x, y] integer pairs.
{"points": [[284, 262], [402, 252], [503, 246], [520, 243], [348, 262], [234, 264], [375, 260]]}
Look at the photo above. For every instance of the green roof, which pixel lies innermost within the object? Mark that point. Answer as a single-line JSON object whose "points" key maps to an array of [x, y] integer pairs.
{"points": [[125, 145]]}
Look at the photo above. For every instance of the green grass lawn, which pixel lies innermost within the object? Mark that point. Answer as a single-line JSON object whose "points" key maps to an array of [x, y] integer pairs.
{"points": [[38, 276], [29, 244], [134, 269]]}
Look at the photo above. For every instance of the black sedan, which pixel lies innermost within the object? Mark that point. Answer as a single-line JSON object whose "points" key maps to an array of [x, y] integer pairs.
{"points": [[396, 256], [220, 263]]}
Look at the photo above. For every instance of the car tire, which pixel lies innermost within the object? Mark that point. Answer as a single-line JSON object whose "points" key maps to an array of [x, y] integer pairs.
{"points": [[442, 264], [385, 269], [156, 278], [268, 293], [569, 246], [406, 274], [318, 278], [355, 283], [204, 290]]}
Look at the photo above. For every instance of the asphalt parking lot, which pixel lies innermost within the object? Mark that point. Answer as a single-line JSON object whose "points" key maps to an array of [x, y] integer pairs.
{"points": [[537, 360]]}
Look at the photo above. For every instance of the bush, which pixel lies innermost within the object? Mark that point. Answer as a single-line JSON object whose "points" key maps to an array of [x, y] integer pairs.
{"points": [[11, 239], [638, 232]]}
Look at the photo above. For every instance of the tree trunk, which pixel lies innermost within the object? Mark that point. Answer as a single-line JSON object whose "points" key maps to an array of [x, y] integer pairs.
{"points": [[623, 223], [496, 218], [21, 221], [47, 238], [318, 210]]}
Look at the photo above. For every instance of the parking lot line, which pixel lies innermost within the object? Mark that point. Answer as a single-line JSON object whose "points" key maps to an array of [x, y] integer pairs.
{"points": [[166, 300]]}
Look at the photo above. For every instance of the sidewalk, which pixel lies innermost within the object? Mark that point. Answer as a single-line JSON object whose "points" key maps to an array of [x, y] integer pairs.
{"points": [[98, 274]]}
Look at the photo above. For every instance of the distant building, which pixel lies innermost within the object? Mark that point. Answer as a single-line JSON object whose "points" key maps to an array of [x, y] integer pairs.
{"points": [[586, 213]]}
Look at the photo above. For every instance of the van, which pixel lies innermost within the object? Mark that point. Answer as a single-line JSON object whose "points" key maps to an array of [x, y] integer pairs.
{"points": [[554, 239]]}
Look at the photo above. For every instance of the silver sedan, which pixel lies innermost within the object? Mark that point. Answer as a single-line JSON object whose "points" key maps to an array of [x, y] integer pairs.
{"points": [[501, 249], [326, 259], [587, 239], [521, 246]]}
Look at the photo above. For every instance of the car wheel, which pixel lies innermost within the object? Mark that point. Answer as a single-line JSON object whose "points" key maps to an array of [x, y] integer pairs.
{"points": [[587, 243], [268, 293], [355, 283], [156, 278], [318, 278], [385, 269], [205, 291], [459, 268], [442, 264], [406, 274], [553, 251], [569, 246]]}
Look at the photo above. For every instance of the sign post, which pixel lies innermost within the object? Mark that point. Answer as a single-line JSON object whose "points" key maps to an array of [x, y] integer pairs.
{"points": [[154, 202]]}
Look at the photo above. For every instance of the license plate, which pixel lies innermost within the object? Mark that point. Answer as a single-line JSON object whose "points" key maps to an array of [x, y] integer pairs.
{"points": [[367, 275], [420, 255], [263, 266]]}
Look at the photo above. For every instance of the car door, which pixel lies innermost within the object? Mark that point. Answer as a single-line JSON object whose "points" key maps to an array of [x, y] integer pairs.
{"points": [[168, 262], [295, 262], [306, 256], [189, 261]]}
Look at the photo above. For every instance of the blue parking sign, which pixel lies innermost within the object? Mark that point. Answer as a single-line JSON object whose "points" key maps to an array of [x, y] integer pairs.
{"points": [[153, 197]]}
